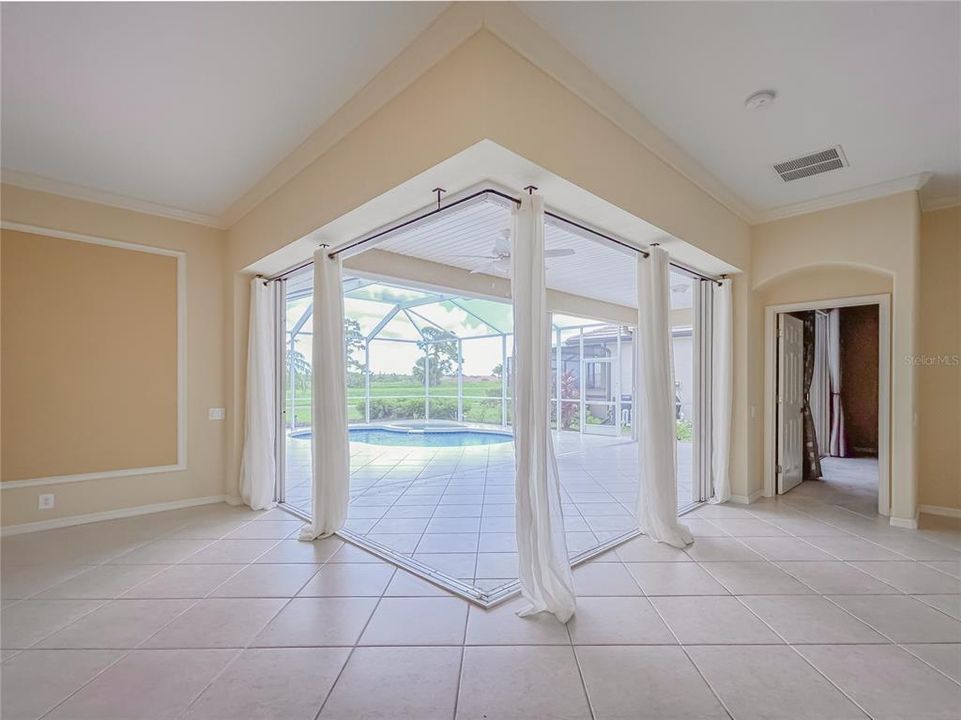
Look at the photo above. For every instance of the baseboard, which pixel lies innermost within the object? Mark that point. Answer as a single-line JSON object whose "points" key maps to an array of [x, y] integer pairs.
{"points": [[747, 499], [943, 511], [109, 515], [909, 523], [233, 500]]}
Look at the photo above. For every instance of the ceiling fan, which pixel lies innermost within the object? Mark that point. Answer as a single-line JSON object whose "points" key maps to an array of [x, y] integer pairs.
{"points": [[499, 258]]}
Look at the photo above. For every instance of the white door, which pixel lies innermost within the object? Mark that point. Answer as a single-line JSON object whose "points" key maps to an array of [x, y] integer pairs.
{"points": [[790, 428]]}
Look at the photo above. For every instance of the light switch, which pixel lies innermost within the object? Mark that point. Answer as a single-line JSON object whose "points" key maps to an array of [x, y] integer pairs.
{"points": [[216, 413]]}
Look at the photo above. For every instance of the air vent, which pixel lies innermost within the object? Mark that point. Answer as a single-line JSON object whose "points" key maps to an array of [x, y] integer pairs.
{"points": [[812, 164]]}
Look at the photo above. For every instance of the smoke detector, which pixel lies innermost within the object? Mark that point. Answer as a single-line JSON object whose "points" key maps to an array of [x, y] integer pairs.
{"points": [[812, 164], [760, 99]]}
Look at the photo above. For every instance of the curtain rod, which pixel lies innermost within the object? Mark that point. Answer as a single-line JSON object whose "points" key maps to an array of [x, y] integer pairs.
{"points": [[473, 196]]}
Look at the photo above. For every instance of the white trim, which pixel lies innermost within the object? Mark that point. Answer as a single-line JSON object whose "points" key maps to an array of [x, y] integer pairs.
{"points": [[868, 192], [108, 515], [747, 499], [940, 510], [82, 477], [909, 523], [181, 258], [29, 181], [942, 203], [884, 387]]}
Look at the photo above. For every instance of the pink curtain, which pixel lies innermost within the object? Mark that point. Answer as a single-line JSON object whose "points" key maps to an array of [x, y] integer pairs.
{"points": [[838, 446]]}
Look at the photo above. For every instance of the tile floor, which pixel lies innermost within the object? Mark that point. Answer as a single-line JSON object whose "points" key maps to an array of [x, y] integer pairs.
{"points": [[452, 509], [794, 608]]}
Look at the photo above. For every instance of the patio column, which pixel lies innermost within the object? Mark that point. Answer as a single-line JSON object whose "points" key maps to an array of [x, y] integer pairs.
{"points": [[503, 381], [367, 381], [460, 380], [426, 381]]}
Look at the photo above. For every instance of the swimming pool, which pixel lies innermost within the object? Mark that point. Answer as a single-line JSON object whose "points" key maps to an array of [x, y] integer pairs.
{"points": [[448, 436]]}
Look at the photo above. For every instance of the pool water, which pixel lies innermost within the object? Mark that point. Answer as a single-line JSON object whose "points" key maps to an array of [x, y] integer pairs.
{"points": [[455, 438]]}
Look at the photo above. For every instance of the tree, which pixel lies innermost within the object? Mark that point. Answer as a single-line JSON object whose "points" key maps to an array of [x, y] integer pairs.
{"points": [[298, 368], [440, 348], [355, 342], [498, 370]]}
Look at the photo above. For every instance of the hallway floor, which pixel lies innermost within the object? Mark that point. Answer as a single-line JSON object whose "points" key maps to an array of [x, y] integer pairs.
{"points": [[851, 483], [791, 608]]}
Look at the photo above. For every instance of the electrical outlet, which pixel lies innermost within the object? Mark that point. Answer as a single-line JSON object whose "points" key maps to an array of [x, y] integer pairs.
{"points": [[216, 413], [45, 502]]}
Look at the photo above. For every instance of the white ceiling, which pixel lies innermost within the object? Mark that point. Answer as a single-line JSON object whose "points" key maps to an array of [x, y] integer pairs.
{"points": [[185, 105], [881, 79], [189, 105]]}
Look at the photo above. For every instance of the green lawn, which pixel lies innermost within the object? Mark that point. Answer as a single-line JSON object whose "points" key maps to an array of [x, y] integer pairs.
{"points": [[403, 399]]}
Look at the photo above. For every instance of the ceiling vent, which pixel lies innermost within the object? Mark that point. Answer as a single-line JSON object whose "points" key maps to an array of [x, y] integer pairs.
{"points": [[812, 164]]}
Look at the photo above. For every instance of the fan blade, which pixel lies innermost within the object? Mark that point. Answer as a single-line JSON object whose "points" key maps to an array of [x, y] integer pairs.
{"points": [[563, 252], [479, 257]]}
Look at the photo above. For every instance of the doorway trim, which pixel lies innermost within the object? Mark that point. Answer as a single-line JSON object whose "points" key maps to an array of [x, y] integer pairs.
{"points": [[771, 312]]}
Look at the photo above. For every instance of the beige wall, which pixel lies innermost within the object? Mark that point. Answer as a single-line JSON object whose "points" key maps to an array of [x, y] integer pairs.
{"points": [[939, 383], [485, 90], [869, 247], [205, 258], [90, 359]]}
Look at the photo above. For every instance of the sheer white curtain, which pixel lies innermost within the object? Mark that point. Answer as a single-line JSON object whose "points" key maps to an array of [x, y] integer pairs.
{"points": [[258, 468], [838, 442], [330, 444], [722, 390], [654, 410], [546, 581], [821, 385]]}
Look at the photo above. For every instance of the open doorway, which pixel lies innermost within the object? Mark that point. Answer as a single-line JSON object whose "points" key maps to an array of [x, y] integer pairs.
{"points": [[828, 394]]}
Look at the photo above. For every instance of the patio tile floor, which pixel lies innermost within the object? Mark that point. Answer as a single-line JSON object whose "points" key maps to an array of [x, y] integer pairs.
{"points": [[452, 509]]}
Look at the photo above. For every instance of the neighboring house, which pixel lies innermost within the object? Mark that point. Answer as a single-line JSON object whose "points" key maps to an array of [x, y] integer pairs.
{"points": [[605, 374]]}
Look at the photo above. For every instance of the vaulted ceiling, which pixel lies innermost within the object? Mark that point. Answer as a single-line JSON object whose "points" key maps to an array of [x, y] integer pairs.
{"points": [[186, 106]]}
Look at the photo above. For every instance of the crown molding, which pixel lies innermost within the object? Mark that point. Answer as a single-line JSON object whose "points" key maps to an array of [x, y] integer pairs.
{"points": [[941, 203], [28, 181], [868, 192], [515, 28], [449, 30]]}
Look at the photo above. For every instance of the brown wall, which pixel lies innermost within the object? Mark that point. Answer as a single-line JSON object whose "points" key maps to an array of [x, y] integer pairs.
{"points": [[859, 373], [89, 357]]}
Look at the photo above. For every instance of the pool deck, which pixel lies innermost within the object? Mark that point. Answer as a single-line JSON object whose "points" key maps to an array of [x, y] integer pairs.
{"points": [[452, 508]]}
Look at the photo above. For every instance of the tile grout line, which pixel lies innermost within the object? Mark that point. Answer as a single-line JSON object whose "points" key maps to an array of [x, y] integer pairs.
{"points": [[347, 660], [684, 650]]}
